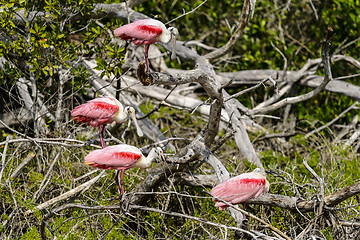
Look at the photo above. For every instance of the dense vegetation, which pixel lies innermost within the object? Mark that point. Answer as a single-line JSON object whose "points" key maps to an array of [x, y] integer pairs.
{"points": [[45, 51]]}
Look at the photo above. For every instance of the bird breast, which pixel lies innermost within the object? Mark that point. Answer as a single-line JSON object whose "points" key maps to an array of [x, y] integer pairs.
{"points": [[143, 162], [120, 116], [165, 37]]}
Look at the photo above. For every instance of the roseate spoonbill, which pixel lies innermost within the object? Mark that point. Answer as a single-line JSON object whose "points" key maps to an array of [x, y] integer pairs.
{"points": [[100, 111], [121, 157], [147, 31], [241, 189]]}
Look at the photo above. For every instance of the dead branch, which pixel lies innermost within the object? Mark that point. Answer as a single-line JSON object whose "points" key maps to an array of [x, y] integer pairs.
{"points": [[294, 204], [134, 207], [18, 169], [235, 37], [3, 157], [195, 180], [47, 177], [31, 106], [82, 188], [347, 129], [328, 77], [250, 215], [322, 187], [16, 117], [353, 106], [52, 141], [355, 136]]}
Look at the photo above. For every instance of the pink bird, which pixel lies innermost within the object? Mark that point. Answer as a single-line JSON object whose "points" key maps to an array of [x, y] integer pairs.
{"points": [[121, 157], [241, 189], [147, 31], [101, 111]]}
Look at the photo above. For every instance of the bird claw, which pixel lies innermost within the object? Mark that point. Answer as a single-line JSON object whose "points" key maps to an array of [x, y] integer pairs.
{"points": [[89, 142], [144, 77], [124, 203]]}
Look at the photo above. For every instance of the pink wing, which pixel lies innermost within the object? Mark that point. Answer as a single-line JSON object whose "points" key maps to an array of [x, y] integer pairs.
{"points": [[98, 111], [239, 189], [120, 157], [140, 32]]}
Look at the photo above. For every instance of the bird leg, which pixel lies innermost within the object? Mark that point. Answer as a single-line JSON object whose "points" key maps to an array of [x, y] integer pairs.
{"points": [[244, 210], [146, 57], [120, 183], [101, 135]]}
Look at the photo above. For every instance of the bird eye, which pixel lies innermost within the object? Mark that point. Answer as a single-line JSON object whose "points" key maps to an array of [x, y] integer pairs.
{"points": [[174, 31], [129, 109]]}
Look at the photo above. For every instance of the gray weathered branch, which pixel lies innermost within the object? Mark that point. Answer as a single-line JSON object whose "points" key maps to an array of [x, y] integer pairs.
{"points": [[235, 37]]}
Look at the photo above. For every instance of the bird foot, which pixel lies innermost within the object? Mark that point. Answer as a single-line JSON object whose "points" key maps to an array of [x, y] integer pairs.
{"points": [[124, 203], [144, 76], [89, 142]]}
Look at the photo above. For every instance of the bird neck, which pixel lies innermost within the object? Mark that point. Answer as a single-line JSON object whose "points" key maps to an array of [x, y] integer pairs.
{"points": [[165, 36], [120, 117], [145, 162]]}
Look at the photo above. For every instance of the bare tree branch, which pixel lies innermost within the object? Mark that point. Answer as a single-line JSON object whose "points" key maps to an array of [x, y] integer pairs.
{"points": [[235, 37], [328, 77]]}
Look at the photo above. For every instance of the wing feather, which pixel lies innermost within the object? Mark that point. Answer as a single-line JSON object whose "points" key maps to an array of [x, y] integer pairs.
{"points": [[239, 189], [120, 157], [97, 111], [141, 32]]}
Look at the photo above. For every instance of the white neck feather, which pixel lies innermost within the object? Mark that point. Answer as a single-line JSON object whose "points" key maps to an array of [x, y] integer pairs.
{"points": [[145, 162], [121, 116], [165, 36]]}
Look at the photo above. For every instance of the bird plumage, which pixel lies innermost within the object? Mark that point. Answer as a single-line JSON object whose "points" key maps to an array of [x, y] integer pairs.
{"points": [[100, 111], [120, 157], [147, 31], [240, 189]]}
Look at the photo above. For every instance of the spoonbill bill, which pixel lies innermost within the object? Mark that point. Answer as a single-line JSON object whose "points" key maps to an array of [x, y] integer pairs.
{"points": [[121, 157], [100, 111], [240, 189], [148, 31]]}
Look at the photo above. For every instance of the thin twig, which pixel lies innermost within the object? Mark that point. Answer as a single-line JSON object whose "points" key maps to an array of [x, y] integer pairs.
{"points": [[156, 108], [46, 181], [321, 183], [346, 45], [137, 207], [16, 172], [53, 141], [2, 166], [184, 14], [67, 194], [353, 106], [325, 48], [251, 88], [235, 37]]}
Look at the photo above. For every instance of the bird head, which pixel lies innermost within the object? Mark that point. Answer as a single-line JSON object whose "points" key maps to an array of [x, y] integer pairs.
{"points": [[173, 32], [157, 153], [131, 112], [160, 153], [260, 171], [145, 162]]}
